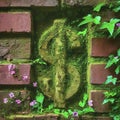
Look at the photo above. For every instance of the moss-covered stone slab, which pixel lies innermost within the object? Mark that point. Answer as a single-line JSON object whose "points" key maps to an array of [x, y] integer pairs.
{"points": [[62, 81], [15, 48]]}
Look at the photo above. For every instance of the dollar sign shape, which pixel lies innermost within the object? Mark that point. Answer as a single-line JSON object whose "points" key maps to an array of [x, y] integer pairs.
{"points": [[62, 80]]}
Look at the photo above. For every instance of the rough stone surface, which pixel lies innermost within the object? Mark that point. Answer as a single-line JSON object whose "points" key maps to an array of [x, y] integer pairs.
{"points": [[15, 48], [28, 3], [82, 2], [96, 118], [103, 47], [15, 22], [98, 73], [4, 3], [97, 96], [21, 70]]}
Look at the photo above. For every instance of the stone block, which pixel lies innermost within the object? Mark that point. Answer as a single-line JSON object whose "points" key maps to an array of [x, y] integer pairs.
{"points": [[21, 76], [102, 47], [4, 3], [15, 22], [28, 3], [97, 96], [82, 2], [98, 73], [15, 48], [86, 117]]}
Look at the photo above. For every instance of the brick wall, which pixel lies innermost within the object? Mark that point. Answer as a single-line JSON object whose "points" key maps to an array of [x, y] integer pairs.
{"points": [[16, 34]]}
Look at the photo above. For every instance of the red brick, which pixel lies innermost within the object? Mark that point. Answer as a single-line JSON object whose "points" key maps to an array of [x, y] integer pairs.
{"points": [[17, 48], [7, 79], [104, 47], [4, 3], [28, 3], [1, 118], [98, 97], [96, 118], [98, 73], [15, 22]]}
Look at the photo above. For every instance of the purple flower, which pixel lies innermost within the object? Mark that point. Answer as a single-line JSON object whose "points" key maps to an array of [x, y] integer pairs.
{"points": [[75, 114], [34, 84], [12, 72], [18, 101], [90, 103], [24, 77], [11, 95], [118, 24], [5, 100], [33, 103], [11, 67]]}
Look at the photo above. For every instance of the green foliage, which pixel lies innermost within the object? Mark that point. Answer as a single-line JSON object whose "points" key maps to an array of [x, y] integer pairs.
{"points": [[98, 7], [112, 95], [110, 25], [39, 61]]}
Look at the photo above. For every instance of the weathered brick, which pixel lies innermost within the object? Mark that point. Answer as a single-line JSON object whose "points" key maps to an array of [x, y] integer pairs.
{"points": [[96, 118], [15, 48], [46, 117], [82, 2], [1, 118], [98, 73], [23, 118], [97, 96], [22, 70], [103, 47], [15, 22], [28, 3], [4, 3]]}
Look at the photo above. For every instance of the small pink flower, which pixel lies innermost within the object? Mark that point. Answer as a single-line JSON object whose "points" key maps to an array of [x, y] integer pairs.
{"points": [[75, 114], [18, 101], [34, 84], [11, 95], [118, 24], [24, 77], [90, 103], [5, 100], [12, 72], [33, 103], [11, 67]]}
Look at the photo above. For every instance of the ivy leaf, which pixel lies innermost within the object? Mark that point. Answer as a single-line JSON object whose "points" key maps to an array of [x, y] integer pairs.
{"points": [[110, 79], [87, 19], [118, 52], [97, 20], [110, 25], [40, 98], [98, 7], [111, 100], [82, 103], [117, 9], [117, 32], [84, 32], [112, 60], [117, 70]]}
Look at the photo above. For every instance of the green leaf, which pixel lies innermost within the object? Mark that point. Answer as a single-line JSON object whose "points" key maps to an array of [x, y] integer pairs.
{"points": [[57, 111], [84, 32], [117, 32], [98, 7], [117, 70], [110, 79], [40, 98], [117, 9], [108, 100], [82, 103], [110, 25], [87, 19], [112, 60], [118, 52], [97, 20], [51, 106]]}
